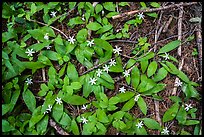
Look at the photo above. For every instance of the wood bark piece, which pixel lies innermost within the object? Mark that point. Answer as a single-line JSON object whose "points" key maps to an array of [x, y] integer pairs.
{"points": [[152, 10], [199, 44], [57, 128], [167, 24]]}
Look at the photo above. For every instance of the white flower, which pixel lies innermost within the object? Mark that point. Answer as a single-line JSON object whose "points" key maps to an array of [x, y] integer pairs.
{"points": [[166, 56], [84, 120], [140, 15], [188, 107], [126, 73], [112, 62], [122, 90], [178, 83], [99, 72], [53, 14], [106, 68], [137, 97], [139, 125], [58, 101], [46, 37], [48, 46], [90, 43], [92, 81], [49, 108], [45, 112], [165, 131], [29, 81], [84, 107], [117, 50], [30, 52], [71, 40], [83, 18]]}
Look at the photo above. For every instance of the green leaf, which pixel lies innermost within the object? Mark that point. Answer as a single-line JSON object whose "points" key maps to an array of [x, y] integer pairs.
{"points": [[101, 128], [103, 44], [87, 88], [123, 4], [98, 8], [101, 116], [141, 131], [29, 100], [135, 77], [58, 40], [104, 29], [72, 5], [75, 100], [161, 74], [65, 120], [142, 105], [74, 127], [196, 130], [33, 8], [118, 67], [155, 4], [93, 26], [181, 116], [72, 72], [146, 57], [172, 68], [175, 98], [75, 21], [191, 122], [144, 64], [114, 100], [170, 46], [183, 132], [170, 114], [82, 35], [62, 70], [42, 125], [57, 112], [130, 63], [109, 6], [105, 83], [125, 96], [5, 108], [76, 85], [183, 76], [151, 123], [128, 105], [107, 77], [152, 68], [6, 126], [36, 117], [50, 54]]}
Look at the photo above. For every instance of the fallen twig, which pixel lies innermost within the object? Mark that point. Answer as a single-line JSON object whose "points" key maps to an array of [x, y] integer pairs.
{"points": [[57, 128], [199, 44], [167, 24], [179, 48], [50, 26], [152, 10]]}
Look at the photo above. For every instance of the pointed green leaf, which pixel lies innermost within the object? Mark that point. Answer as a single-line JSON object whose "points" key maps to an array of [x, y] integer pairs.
{"points": [[93, 26], [161, 74], [74, 100], [170, 114], [170, 46], [142, 105], [152, 68], [74, 127], [128, 105], [72, 72], [151, 123], [144, 64], [135, 77]]}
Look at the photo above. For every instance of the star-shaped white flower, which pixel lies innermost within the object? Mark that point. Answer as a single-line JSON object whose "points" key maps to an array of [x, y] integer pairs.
{"points": [[46, 37], [165, 131], [178, 83], [166, 56], [92, 81], [90, 43], [140, 124], [122, 90], [137, 97], [99, 72], [45, 112], [53, 14], [140, 15], [29, 81], [126, 73], [48, 46], [84, 107], [49, 108], [82, 18], [106, 68], [58, 100], [117, 50], [188, 107], [71, 40], [30, 52], [112, 62], [84, 120]]}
